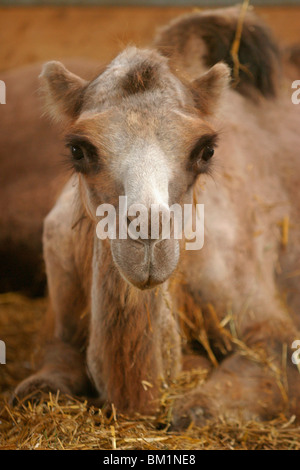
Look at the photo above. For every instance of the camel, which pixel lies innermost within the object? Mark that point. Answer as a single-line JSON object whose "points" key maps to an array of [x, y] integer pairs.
{"points": [[163, 126], [31, 178]]}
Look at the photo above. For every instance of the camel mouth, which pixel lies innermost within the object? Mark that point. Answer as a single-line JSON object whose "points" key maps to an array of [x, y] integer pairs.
{"points": [[144, 280], [151, 283], [142, 266]]}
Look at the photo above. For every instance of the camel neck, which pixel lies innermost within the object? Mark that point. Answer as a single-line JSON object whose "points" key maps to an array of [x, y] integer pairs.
{"points": [[126, 322]]}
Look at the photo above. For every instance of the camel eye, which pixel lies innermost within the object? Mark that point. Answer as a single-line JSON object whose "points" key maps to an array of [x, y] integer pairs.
{"points": [[207, 153], [201, 154], [83, 155], [77, 152]]}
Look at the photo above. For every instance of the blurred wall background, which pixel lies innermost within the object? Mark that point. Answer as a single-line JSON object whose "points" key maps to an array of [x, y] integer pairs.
{"points": [[40, 30], [145, 2]]}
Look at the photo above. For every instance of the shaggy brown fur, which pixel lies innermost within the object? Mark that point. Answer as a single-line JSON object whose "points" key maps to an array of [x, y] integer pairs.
{"points": [[112, 332], [138, 80], [209, 38]]}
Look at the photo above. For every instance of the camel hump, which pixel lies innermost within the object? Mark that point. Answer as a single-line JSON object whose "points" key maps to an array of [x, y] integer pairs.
{"points": [[201, 39]]}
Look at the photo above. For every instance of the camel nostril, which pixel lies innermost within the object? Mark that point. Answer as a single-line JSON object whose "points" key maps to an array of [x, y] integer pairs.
{"points": [[130, 218], [134, 229], [152, 225]]}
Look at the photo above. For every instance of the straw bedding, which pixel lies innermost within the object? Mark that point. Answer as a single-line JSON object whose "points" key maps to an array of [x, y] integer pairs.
{"points": [[62, 422]]}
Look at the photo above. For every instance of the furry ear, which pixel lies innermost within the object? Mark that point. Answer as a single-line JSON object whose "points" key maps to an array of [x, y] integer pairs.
{"points": [[208, 89], [63, 91]]}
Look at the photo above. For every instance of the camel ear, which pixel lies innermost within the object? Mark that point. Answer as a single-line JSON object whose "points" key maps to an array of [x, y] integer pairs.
{"points": [[63, 91], [208, 89]]}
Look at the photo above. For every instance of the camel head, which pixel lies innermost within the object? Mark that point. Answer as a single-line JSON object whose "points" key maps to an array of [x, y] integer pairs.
{"points": [[140, 131]]}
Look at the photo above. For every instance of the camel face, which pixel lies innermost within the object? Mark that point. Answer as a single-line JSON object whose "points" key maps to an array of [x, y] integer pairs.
{"points": [[136, 131]]}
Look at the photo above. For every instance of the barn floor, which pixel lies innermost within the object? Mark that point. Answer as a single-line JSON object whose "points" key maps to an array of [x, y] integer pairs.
{"points": [[65, 423], [28, 35]]}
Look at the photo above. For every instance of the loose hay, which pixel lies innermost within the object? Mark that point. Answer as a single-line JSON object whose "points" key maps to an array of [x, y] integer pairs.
{"points": [[62, 422]]}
